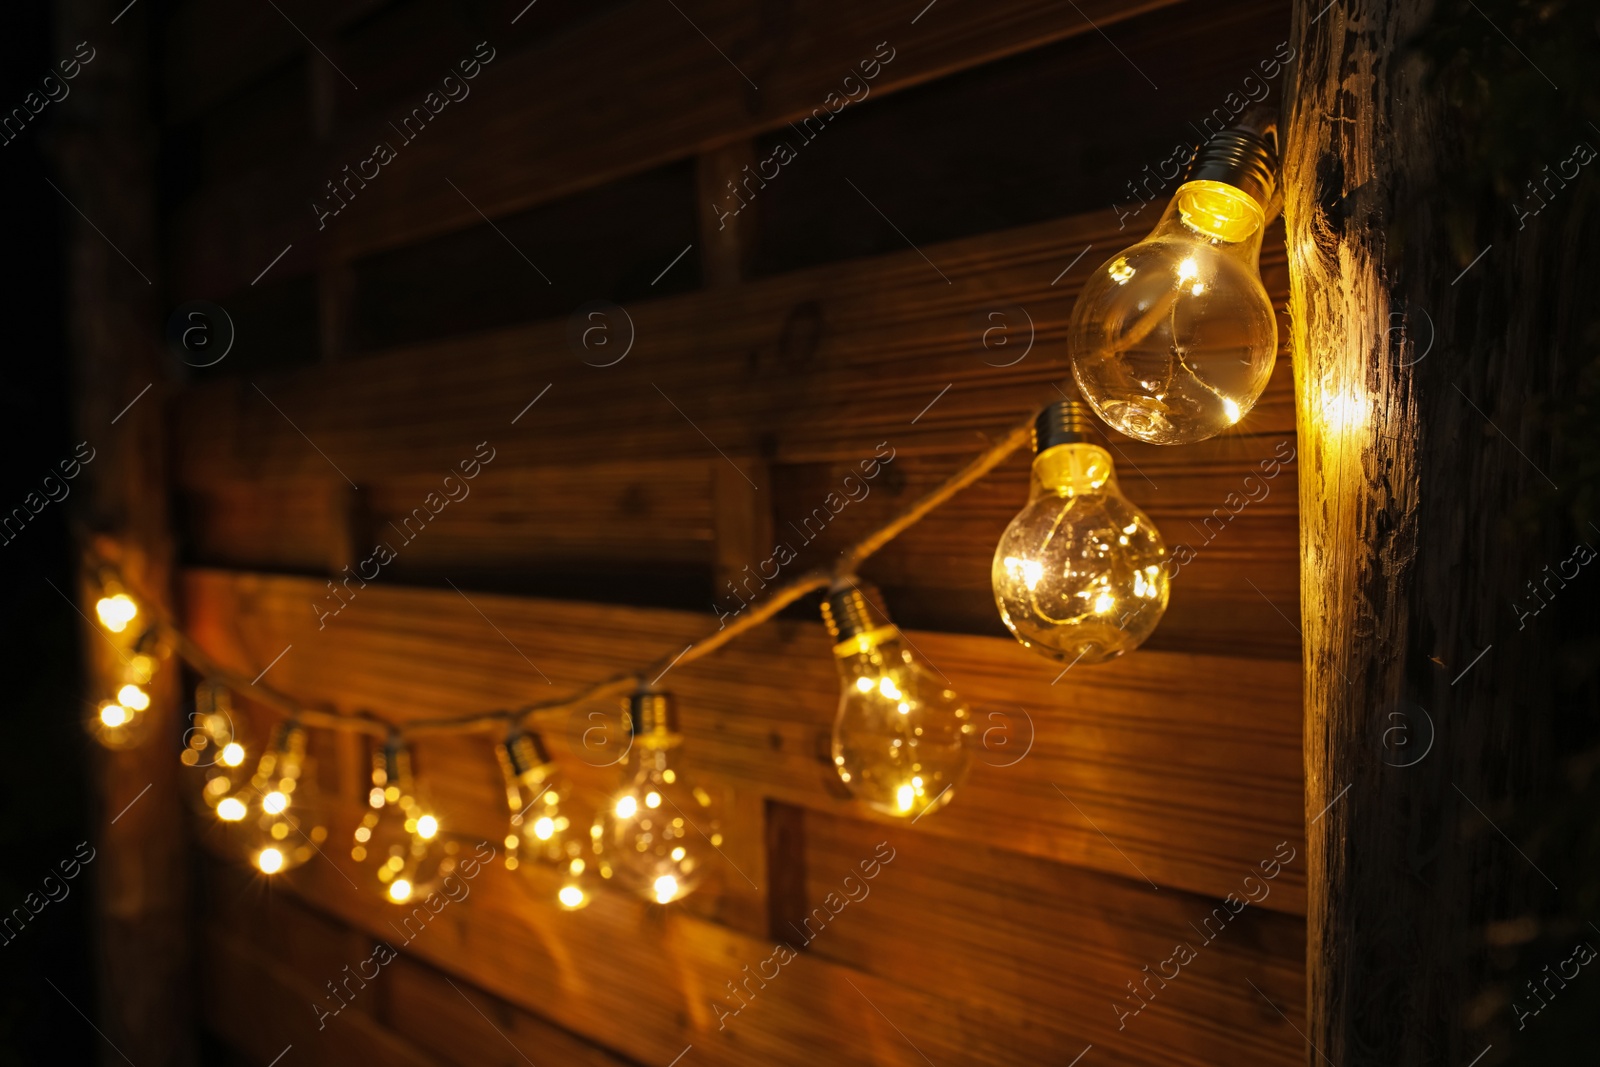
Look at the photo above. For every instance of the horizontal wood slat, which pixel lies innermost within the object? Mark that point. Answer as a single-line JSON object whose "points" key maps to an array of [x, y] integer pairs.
{"points": [[1184, 767], [561, 119], [818, 365], [923, 963]]}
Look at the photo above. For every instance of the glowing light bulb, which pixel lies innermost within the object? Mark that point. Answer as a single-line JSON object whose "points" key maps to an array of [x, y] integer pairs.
{"points": [[231, 809], [116, 611], [121, 722], [899, 738], [209, 743], [549, 832], [1080, 575], [278, 818], [399, 842], [662, 851], [1173, 340]]}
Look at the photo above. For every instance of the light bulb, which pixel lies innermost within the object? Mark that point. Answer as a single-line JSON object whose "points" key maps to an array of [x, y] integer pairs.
{"points": [[211, 743], [277, 819], [899, 738], [1172, 340], [1080, 574], [123, 720], [548, 837], [399, 842], [116, 611], [661, 831]]}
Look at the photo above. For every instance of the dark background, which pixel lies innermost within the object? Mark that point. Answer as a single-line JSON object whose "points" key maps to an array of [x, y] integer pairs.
{"points": [[44, 798]]}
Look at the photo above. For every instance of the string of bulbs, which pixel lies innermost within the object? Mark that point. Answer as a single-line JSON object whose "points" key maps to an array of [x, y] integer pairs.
{"points": [[1171, 341]]}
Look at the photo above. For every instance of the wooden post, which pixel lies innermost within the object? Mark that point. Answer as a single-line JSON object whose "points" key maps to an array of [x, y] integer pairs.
{"points": [[726, 231], [104, 148], [1418, 372]]}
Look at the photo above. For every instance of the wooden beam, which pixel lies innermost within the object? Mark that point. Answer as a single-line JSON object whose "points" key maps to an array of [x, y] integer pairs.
{"points": [[1434, 704], [104, 152]]}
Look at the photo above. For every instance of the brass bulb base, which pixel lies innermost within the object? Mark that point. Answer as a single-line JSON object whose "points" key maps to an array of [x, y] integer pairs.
{"points": [[1244, 156], [847, 612], [520, 755], [289, 739], [1066, 422], [654, 717], [391, 764]]}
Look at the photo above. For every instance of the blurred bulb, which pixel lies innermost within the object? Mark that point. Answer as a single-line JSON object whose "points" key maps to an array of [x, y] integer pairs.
{"points": [[1080, 574], [899, 738], [548, 834], [209, 743], [1173, 340], [231, 809], [122, 722], [399, 841], [278, 818], [661, 851], [116, 611]]}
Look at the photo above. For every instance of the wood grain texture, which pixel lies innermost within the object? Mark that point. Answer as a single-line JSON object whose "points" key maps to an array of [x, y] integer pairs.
{"points": [[1412, 469], [564, 122], [645, 983], [140, 934], [817, 365], [1188, 765]]}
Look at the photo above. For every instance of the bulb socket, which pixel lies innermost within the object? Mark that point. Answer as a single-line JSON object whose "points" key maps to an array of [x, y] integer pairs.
{"points": [[846, 612], [1066, 422], [652, 714], [521, 754], [391, 764], [1244, 156], [289, 739]]}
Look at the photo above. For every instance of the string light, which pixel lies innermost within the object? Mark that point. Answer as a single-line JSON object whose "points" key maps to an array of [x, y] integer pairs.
{"points": [[662, 828], [1080, 575], [121, 721], [1173, 340], [399, 840], [547, 839], [898, 742], [278, 818], [899, 735], [211, 743]]}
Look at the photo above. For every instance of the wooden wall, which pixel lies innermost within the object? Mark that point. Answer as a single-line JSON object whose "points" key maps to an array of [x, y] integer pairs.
{"points": [[426, 317]]}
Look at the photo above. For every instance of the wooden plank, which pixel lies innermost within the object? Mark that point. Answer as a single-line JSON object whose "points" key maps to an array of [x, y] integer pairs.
{"points": [[1043, 952], [216, 50], [467, 1026], [888, 335], [1183, 767], [1024, 931], [257, 1004], [562, 121]]}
